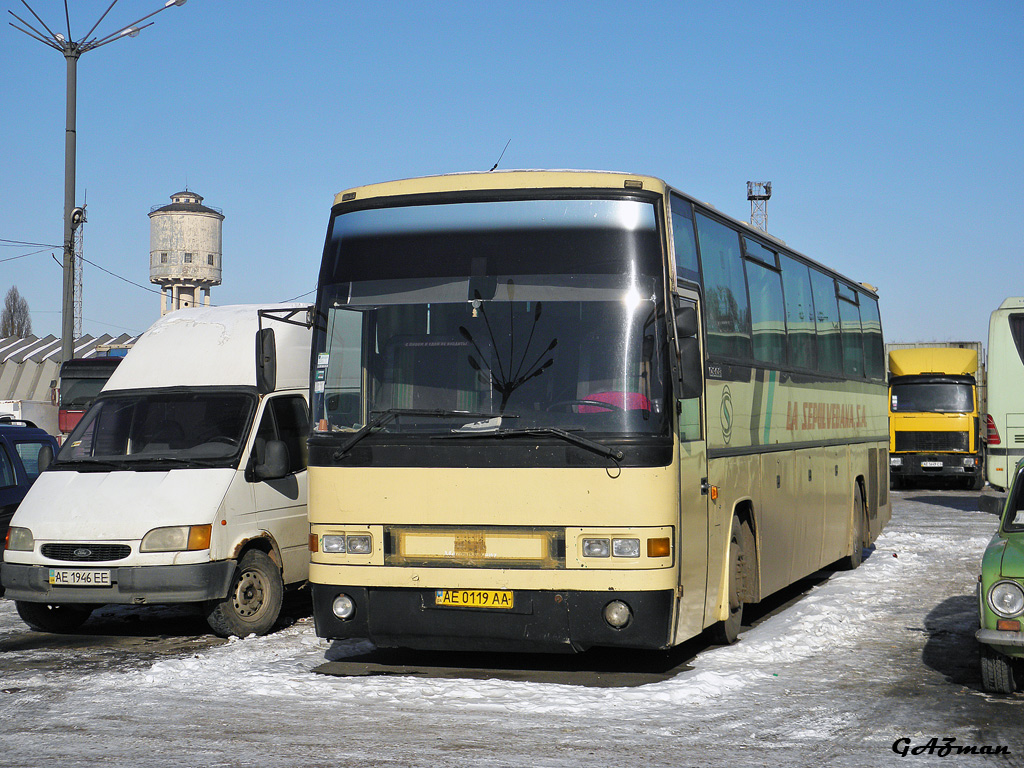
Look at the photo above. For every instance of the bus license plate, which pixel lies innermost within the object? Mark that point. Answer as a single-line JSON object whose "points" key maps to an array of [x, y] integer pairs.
{"points": [[474, 598], [73, 577], [931, 464]]}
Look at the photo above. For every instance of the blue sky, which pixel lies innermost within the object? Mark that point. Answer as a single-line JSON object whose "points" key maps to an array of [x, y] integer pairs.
{"points": [[891, 131]]}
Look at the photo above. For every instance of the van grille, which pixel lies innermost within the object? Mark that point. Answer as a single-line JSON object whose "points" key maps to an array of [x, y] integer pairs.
{"points": [[86, 553], [932, 441]]}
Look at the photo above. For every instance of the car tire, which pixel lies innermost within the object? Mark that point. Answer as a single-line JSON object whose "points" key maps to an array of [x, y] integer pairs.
{"points": [[47, 617], [254, 600], [997, 671]]}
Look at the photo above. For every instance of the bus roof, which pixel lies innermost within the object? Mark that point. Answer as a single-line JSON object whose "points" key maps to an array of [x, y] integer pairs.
{"points": [[484, 181]]}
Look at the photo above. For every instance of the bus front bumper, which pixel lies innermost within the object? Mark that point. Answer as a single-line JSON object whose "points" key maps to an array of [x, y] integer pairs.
{"points": [[565, 621], [139, 585]]}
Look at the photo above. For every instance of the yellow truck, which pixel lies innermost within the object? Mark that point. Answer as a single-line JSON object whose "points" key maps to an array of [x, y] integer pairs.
{"points": [[934, 418]]}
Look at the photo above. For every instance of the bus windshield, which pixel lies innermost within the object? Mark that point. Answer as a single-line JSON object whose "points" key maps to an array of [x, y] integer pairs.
{"points": [[946, 397], [491, 317]]}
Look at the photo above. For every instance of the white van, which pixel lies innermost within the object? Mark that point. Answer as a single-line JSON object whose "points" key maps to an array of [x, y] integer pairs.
{"points": [[185, 481]]}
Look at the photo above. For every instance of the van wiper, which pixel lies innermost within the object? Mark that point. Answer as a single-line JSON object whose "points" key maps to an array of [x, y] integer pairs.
{"points": [[176, 462], [88, 465], [583, 442], [383, 417]]}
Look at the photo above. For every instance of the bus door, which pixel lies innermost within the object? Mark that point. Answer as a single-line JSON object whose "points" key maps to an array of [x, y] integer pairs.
{"points": [[692, 534]]}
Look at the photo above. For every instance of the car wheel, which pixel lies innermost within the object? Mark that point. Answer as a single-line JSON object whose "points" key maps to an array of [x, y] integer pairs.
{"points": [[46, 617], [997, 671], [254, 599]]}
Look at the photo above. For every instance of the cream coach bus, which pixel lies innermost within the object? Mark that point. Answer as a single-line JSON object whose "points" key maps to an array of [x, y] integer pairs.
{"points": [[557, 410]]}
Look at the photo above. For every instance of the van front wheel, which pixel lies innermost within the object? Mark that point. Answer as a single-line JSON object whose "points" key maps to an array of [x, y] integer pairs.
{"points": [[254, 600]]}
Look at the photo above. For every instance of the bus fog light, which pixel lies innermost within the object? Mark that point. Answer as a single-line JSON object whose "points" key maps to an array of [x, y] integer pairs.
{"points": [[344, 607], [595, 548], [617, 614], [358, 545], [1006, 598], [333, 543], [626, 547]]}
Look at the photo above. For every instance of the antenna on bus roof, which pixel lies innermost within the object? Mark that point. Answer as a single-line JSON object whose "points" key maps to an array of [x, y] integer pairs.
{"points": [[501, 155]]}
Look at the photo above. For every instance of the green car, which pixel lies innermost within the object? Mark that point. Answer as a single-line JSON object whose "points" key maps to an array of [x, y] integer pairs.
{"points": [[1001, 597]]}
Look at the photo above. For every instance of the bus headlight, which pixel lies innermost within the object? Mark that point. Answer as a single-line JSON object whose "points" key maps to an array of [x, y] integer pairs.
{"points": [[1006, 598], [19, 539], [970, 461], [595, 548], [344, 607], [333, 543], [626, 547], [358, 545], [895, 461], [617, 614]]}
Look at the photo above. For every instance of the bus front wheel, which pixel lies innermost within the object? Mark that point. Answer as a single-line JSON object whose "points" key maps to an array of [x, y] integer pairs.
{"points": [[728, 630]]}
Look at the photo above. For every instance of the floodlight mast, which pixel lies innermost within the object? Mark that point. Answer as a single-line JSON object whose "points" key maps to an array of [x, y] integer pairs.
{"points": [[72, 51]]}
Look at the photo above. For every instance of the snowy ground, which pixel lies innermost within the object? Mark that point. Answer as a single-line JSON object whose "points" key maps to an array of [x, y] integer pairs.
{"points": [[862, 660]]}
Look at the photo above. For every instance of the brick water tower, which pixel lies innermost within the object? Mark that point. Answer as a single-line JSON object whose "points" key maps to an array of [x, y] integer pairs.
{"points": [[184, 251]]}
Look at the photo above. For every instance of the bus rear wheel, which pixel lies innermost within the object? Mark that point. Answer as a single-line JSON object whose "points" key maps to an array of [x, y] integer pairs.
{"points": [[728, 630], [860, 527]]}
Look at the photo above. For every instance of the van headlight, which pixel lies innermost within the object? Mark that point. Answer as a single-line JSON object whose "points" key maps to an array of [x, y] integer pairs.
{"points": [[179, 538], [1006, 598], [19, 539]]}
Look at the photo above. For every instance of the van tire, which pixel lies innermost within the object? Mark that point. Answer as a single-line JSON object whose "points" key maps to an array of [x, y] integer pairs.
{"points": [[254, 600], [47, 617]]}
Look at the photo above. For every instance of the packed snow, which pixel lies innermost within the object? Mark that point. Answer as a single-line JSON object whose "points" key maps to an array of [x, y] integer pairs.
{"points": [[861, 660]]}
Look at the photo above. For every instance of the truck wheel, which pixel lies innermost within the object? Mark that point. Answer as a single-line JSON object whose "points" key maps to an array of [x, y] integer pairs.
{"points": [[44, 617], [996, 672], [254, 600], [860, 522], [727, 631]]}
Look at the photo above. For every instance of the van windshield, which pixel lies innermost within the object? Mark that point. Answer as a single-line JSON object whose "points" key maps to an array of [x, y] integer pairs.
{"points": [[149, 429]]}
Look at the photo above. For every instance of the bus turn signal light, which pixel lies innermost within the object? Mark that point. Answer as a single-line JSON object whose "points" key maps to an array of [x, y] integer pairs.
{"points": [[659, 548]]}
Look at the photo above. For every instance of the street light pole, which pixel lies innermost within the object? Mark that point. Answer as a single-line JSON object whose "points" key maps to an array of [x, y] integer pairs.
{"points": [[72, 51]]}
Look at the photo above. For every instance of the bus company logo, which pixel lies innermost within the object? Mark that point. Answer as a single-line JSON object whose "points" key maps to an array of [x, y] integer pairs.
{"points": [[805, 416], [725, 413]]}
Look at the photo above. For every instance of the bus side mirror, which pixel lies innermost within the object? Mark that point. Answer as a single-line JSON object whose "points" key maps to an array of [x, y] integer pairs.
{"points": [[691, 372]]}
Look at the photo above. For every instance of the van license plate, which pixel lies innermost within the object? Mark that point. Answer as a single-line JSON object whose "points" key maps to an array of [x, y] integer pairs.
{"points": [[474, 598], [73, 577]]}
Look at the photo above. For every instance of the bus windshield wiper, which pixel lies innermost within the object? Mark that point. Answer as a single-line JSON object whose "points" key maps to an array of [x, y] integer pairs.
{"points": [[583, 442], [383, 417]]}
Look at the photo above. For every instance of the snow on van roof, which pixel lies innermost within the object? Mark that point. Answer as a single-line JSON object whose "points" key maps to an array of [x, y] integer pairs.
{"points": [[213, 346]]}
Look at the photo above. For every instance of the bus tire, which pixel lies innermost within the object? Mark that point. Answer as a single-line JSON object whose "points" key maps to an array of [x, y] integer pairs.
{"points": [[860, 523], [997, 672], [254, 600], [728, 630], [47, 617]]}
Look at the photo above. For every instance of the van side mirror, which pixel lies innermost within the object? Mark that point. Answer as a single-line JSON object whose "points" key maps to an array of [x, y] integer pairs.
{"points": [[266, 361], [275, 461], [44, 458]]}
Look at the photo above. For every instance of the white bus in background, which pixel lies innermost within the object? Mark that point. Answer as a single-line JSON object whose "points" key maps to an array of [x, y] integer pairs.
{"points": [[184, 482], [1005, 417]]}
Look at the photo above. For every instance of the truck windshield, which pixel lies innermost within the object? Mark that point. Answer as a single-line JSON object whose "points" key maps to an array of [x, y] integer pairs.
{"points": [[491, 317], [945, 397], [136, 428]]}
